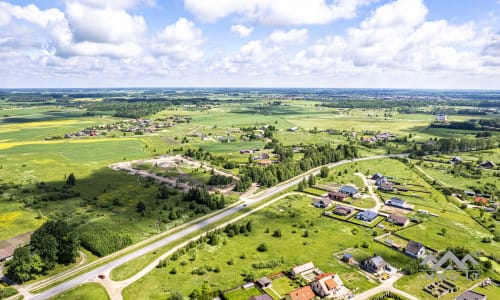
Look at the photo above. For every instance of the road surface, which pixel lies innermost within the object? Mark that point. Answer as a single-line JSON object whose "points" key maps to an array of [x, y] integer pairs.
{"points": [[106, 268]]}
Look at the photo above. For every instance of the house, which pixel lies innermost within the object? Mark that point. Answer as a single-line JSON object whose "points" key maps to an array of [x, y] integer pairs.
{"points": [[248, 285], [488, 165], [342, 210], [7, 253], [350, 190], [293, 129], [381, 181], [367, 215], [398, 202], [376, 176], [481, 200], [471, 295], [470, 193], [304, 293], [261, 297], [264, 282], [386, 187], [302, 269], [244, 151], [375, 265], [322, 202], [398, 220], [329, 285], [348, 258], [415, 249], [441, 118], [338, 196]]}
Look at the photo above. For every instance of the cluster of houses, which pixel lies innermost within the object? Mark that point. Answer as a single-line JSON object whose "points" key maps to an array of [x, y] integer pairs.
{"points": [[132, 125], [319, 284], [484, 165], [379, 137]]}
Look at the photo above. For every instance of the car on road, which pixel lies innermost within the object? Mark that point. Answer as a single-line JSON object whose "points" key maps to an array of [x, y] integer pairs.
{"points": [[101, 276]]}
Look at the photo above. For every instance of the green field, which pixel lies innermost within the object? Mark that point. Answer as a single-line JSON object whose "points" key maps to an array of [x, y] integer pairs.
{"points": [[88, 291], [293, 216]]}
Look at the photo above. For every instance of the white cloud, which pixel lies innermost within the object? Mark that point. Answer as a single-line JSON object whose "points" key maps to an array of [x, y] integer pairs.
{"points": [[103, 25], [4, 17], [180, 41], [277, 12], [242, 30], [295, 36], [115, 4]]}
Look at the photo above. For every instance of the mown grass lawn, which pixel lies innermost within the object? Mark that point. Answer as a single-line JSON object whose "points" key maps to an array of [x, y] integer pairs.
{"points": [[235, 256], [88, 291]]}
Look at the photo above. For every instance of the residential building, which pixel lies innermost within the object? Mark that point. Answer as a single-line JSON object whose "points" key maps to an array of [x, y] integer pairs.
{"points": [[398, 202], [322, 202], [386, 187], [304, 293], [350, 190], [398, 220], [415, 249], [302, 269], [338, 196], [329, 285], [441, 117], [375, 265], [471, 295], [367, 215], [342, 210], [348, 258]]}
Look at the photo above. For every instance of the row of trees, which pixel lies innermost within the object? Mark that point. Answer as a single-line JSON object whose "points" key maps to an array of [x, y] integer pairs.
{"points": [[314, 156], [54, 242], [446, 145], [220, 180]]}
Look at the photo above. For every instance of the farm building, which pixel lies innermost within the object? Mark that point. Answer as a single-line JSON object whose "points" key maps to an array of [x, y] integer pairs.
{"points": [[348, 258], [441, 117], [415, 249], [488, 165], [398, 202], [367, 216], [386, 187], [398, 220]]}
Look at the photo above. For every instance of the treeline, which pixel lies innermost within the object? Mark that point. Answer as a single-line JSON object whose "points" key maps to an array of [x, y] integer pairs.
{"points": [[314, 156], [482, 124], [99, 240], [54, 242], [201, 196], [129, 109], [447, 145], [374, 104]]}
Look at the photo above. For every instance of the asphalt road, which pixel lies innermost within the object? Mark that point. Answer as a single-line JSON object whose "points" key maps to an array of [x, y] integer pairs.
{"points": [[185, 232]]}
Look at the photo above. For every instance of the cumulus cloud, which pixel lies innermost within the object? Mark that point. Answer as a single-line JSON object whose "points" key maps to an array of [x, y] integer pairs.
{"points": [[277, 12], [396, 36], [296, 36], [80, 30], [180, 40], [103, 25], [242, 30]]}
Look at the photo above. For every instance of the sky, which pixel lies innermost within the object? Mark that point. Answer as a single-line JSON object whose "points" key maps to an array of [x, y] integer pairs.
{"points": [[425, 44]]}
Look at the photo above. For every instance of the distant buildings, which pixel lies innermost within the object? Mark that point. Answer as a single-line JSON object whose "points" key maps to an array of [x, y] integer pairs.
{"points": [[441, 118]]}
